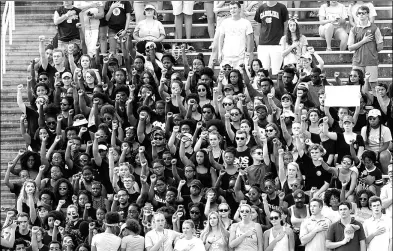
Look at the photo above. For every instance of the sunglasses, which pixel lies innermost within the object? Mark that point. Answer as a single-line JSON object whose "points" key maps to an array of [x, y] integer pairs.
{"points": [[201, 90], [195, 212], [64, 104], [363, 199], [362, 13], [206, 111], [66, 77], [274, 217], [372, 118], [269, 130], [245, 211], [227, 68], [235, 114], [42, 79], [158, 138], [240, 138], [51, 123], [63, 188], [223, 210], [225, 104]]}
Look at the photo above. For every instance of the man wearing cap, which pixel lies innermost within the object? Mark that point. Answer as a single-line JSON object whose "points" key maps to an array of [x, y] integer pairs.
{"points": [[301, 92], [158, 143], [386, 193], [236, 34], [195, 195], [262, 113], [266, 87], [108, 241]]}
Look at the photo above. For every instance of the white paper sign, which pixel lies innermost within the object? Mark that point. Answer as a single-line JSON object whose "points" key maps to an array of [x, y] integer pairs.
{"points": [[347, 96]]}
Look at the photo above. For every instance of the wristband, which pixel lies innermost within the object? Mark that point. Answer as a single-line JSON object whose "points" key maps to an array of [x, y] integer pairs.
{"points": [[210, 242]]}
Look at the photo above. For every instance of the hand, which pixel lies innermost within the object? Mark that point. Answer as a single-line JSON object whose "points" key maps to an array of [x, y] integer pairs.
{"points": [[313, 190], [41, 38], [227, 116], [299, 93], [143, 178], [219, 98], [176, 129], [380, 230], [35, 229], [74, 199], [115, 197], [96, 100], [141, 149], [323, 76], [270, 96], [182, 183], [78, 25], [62, 202], [367, 38], [87, 206], [92, 225], [153, 178], [44, 138], [61, 230], [264, 197], [325, 119], [336, 74], [80, 92], [57, 223], [281, 196], [344, 183], [367, 75], [20, 87], [190, 74], [321, 226]]}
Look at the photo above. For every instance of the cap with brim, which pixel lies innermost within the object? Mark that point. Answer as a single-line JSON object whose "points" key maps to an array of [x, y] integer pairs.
{"points": [[260, 106], [197, 183], [347, 118], [157, 130], [113, 60], [286, 96], [229, 87], [306, 55], [298, 194], [150, 44], [80, 122], [374, 113], [303, 85], [65, 74], [150, 6], [102, 147], [44, 205]]}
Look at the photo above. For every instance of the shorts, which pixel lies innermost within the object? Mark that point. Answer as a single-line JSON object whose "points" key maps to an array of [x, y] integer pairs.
{"points": [[186, 7], [373, 70], [271, 57], [63, 45], [322, 29]]}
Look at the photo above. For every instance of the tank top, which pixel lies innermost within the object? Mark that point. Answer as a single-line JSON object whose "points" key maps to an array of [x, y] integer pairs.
{"points": [[296, 222], [249, 243], [281, 245], [100, 202]]}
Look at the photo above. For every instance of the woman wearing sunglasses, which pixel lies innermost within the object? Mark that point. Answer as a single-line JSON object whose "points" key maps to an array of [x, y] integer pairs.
{"points": [[246, 235], [224, 212], [278, 238], [215, 236]]}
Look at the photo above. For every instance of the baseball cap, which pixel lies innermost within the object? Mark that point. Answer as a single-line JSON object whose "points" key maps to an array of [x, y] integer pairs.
{"points": [[113, 60], [150, 44], [374, 113], [44, 205], [261, 106], [348, 118], [150, 6], [66, 74], [229, 86], [306, 55], [157, 130], [298, 194], [197, 183], [286, 96], [303, 85]]}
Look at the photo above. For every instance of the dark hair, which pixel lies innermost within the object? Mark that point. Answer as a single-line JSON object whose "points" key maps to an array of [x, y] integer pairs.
{"points": [[345, 203], [55, 242], [56, 215], [265, 72], [200, 57], [171, 58], [172, 189], [370, 155], [363, 7], [82, 245], [207, 71], [43, 85], [26, 156], [268, 80], [87, 193], [348, 157], [316, 70], [290, 70], [47, 191], [240, 83], [133, 226], [288, 35], [235, 3], [192, 96], [19, 241], [56, 190], [122, 88], [208, 91], [369, 195], [101, 96], [209, 106], [141, 58], [361, 78], [328, 195], [112, 217], [252, 72], [320, 202]]}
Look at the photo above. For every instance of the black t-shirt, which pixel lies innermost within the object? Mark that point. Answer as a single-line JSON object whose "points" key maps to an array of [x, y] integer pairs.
{"points": [[26, 237], [243, 159], [272, 21], [43, 248], [32, 119], [67, 29], [291, 201], [316, 176], [376, 173], [51, 70], [103, 174], [117, 21]]}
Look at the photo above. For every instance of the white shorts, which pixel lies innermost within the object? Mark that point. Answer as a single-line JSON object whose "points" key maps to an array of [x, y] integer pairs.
{"points": [[186, 7], [271, 57]]}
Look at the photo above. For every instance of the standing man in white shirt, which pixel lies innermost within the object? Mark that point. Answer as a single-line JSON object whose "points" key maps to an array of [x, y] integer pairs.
{"points": [[314, 229], [236, 35], [108, 241], [387, 194], [378, 228]]}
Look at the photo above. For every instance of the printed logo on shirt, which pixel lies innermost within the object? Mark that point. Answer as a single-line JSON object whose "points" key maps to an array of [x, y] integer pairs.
{"points": [[117, 11], [268, 15], [159, 124], [242, 162]]}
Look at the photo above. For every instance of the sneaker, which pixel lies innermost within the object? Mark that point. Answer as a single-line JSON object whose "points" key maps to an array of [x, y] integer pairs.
{"points": [[190, 48], [203, 17]]}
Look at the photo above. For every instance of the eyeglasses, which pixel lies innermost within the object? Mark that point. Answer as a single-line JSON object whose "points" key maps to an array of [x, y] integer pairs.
{"points": [[362, 13], [240, 138], [227, 68], [63, 188], [195, 212], [51, 122], [225, 104], [223, 210], [245, 211], [274, 217], [64, 104], [201, 90], [158, 138], [235, 114]]}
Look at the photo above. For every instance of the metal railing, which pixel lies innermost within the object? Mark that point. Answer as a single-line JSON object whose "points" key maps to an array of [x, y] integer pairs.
{"points": [[7, 23]]}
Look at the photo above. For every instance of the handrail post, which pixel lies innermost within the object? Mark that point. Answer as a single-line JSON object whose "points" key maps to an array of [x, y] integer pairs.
{"points": [[7, 22]]}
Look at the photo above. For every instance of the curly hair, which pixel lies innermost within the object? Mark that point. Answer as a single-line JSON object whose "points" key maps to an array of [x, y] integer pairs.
{"points": [[239, 81], [361, 77], [56, 190], [359, 193], [25, 157], [56, 215], [328, 195]]}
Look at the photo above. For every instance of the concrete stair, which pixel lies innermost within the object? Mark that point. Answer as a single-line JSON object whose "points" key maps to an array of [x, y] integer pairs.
{"points": [[34, 18]]}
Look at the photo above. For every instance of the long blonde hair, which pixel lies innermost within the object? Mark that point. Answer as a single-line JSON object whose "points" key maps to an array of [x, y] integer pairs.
{"points": [[23, 194], [221, 228]]}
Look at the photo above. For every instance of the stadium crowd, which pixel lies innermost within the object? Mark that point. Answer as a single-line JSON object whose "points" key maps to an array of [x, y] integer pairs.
{"points": [[124, 151]]}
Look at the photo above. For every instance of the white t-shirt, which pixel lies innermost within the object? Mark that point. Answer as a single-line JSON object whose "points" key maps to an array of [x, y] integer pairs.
{"points": [[153, 236], [235, 37], [353, 8], [379, 242], [294, 55], [375, 140], [387, 193], [106, 242], [133, 243], [196, 242], [89, 23], [332, 12], [149, 30]]}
